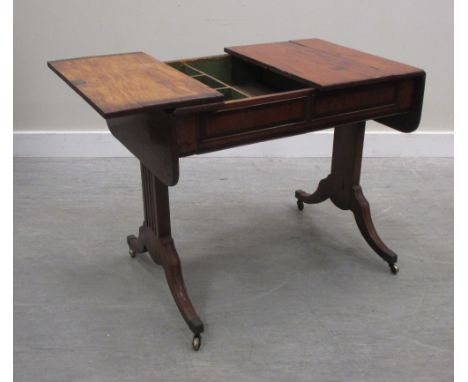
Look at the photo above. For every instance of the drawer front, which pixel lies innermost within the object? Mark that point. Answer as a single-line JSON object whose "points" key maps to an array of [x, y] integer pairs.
{"points": [[235, 121], [396, 96], [350, 100], [394, 103]]}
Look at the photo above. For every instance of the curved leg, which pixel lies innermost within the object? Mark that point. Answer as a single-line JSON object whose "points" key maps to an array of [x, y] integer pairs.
{"points": [[173, 270], [143, 243], [136, 245], [320, 195], [164, 253], [361, 211], [155, 237], [342, 187]]}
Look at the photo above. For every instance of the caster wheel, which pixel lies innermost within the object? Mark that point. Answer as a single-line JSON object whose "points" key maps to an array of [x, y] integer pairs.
{"points": [[394, 268], [196, 342], [131, 240], [300, 205]]}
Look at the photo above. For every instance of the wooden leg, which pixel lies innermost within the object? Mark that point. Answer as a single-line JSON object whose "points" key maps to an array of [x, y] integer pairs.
{"points": [[155, 237], [361, 211], [342, 187], [320, 195], [137, 245]]}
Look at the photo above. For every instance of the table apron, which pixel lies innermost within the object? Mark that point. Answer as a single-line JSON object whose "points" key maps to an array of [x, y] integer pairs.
{"points": [[240, 123]]}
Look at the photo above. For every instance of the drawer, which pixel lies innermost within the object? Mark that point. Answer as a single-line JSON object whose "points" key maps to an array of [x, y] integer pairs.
{"points": [[235, 78], [233, 121], [256, 101], [261, 104]]}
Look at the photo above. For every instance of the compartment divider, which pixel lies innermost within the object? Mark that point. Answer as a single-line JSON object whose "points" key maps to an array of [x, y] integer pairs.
{"points": [[225, 85]]}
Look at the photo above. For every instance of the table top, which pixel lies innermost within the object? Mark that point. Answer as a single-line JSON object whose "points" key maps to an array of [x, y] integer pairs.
{"points": [[128, 83], [122, 84], [321, 63]]}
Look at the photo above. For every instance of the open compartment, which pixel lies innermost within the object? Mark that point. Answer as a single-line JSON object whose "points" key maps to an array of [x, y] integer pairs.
{"points": [[235, 78]]}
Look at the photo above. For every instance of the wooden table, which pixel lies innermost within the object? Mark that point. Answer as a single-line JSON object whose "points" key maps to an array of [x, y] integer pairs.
{"points": [[164, 111]]}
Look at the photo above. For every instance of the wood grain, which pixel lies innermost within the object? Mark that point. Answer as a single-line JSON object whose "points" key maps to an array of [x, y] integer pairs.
{"points": [[323, 64], [122, 84], [350, 88], [343, 188], [155, 237], [151, 137]]}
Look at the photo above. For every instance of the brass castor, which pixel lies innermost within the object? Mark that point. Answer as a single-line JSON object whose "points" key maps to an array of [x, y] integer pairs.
{"points": [[394, 268], [196, 342], [130, 241], [300, 205]]}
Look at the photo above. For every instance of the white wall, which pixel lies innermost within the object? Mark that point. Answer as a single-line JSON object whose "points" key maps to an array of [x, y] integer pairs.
{"points": [[417, 32]]}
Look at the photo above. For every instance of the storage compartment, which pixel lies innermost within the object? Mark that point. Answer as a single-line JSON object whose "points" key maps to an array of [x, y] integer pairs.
{"points": [[262, 103], [235, 78]]}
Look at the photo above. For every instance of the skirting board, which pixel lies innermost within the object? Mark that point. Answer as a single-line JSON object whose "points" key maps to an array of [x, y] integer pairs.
{"points": [[103, 144]]}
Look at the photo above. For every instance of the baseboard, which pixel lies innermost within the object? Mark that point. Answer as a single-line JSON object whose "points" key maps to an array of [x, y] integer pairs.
{"points": [[103, 144]]}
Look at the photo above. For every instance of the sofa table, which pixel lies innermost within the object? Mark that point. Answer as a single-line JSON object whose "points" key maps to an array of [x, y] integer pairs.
{"points": [[162, 111]]}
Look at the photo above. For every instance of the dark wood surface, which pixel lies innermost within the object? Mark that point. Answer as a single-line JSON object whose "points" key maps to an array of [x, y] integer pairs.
{"points": [[156, 238], [151, 137], [287, 113], [343, 188], [129, 83], [272, 91], [323, 64]]}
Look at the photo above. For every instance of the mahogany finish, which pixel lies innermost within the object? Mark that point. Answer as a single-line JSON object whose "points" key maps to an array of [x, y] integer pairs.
{"points": [[121, 84], [162, 112], [343, 188], [155, 237], [323, 64], [151, 137]]}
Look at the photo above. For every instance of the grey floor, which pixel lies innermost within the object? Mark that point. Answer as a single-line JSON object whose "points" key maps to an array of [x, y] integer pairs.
{"points": [[284, 295]]}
